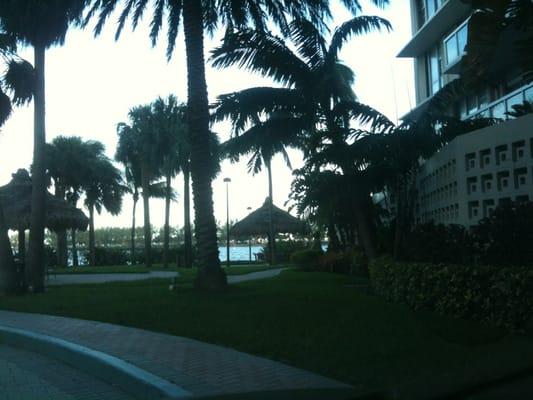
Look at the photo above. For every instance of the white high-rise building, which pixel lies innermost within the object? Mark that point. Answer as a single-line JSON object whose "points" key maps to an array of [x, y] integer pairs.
{"points": [[477, 171]]}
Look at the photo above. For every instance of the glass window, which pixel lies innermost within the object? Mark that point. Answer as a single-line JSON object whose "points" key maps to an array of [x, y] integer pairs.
{"points": [[498, 110], [451, 49], [431, 7], [462, 37], [471, 104], [515, 100], [483, 98], [529, 94], [434, 70]]}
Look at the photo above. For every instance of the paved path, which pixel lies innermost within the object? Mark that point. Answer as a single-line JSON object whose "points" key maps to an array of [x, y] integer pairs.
{"points": [[197, 367], [26, 375], [255, 275], [76, 279]]}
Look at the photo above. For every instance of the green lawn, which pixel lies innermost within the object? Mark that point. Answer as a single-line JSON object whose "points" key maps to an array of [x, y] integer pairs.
{"points": [[322, 322]]}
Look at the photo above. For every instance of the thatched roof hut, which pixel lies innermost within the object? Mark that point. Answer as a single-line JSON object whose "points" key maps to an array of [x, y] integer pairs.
{"points": [[16, 203], [257, 222]]}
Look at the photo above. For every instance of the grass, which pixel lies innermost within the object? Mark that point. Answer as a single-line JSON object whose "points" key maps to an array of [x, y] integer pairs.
{"points": [[321, 322]]}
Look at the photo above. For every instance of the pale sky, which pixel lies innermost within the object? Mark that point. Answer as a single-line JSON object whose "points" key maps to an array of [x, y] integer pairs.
{"points": [[92, 83]]}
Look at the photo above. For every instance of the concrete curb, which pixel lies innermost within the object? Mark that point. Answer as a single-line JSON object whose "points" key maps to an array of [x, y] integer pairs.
{"points": [[136, 381]]}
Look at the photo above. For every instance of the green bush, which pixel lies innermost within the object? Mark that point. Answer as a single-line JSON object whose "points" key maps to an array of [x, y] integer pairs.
{"points": [[495, 295], [351, 262], [284, 249], [307, 259]]}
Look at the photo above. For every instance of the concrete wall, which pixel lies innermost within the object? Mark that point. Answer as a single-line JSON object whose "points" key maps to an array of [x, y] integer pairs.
{"points": [[475, 172]]}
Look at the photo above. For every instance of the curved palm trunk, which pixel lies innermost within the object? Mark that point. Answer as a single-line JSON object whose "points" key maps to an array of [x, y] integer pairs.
{"points": [[166, 229], [8, 275], [92, 252], [210, 275], [147, 227], [187, 216], [38, 199], [135, 199], [271, 233]]}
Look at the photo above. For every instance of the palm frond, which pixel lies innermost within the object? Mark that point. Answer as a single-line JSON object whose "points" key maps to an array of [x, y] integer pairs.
{"points": [[5, 107], [309, 42], [263, 53], [355, 26], [20, 81], [364, 115]]}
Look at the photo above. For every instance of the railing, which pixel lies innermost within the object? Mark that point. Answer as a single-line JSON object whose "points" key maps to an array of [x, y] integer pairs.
{"points": [[503, 105]]}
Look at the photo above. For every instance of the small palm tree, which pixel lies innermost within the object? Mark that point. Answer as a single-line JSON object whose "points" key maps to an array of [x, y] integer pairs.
{"points": [[103, 187]]}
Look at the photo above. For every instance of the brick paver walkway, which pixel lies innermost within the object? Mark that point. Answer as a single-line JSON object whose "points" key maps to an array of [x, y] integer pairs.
{"points": [[28, 376], [197, 367], [253, 276]]}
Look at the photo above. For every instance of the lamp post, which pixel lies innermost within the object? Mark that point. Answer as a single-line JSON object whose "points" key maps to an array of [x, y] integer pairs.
{"points": [[249, 241], [227, 181]]}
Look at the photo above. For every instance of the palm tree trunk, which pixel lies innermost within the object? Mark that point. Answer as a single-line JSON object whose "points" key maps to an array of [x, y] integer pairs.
{"points": [[135, 199], [166, 231], [62, 254], [147, 227], [8, 275], [187, 216], [271, 233], [210, 275], [75, 261], [363, 229], [92, 251], [38, 199], [22, 245]]}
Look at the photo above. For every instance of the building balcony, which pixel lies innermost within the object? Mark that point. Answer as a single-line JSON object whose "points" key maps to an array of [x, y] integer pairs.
{"points": [[500, 107], [451, 13]]}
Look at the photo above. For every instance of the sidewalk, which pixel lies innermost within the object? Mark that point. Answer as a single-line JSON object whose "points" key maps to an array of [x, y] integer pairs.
{"points": [[199, 368]]}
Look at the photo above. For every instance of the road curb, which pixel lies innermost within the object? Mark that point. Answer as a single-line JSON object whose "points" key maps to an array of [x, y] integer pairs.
{"points": [[133, 380]]}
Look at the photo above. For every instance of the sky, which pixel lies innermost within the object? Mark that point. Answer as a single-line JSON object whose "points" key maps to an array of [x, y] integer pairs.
{"points": [[91, 83]]}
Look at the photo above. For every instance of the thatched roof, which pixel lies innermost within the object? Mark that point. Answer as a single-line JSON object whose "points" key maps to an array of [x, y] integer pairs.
{"points": [[257, 222], [16, 203]]}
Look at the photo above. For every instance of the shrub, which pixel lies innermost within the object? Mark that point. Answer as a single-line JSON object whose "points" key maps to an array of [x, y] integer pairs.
{"points": [[307, 259], [437, 243], [499, 296], [506, 236], [284, 249], [351, 262]]}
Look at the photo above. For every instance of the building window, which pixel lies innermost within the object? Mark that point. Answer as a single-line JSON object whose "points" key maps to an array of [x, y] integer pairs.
{"points": [[455, 44], [434, 70]]}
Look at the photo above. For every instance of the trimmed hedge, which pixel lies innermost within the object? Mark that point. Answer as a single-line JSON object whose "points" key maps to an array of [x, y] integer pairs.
{"points": [[495, 295], [306, 259]]}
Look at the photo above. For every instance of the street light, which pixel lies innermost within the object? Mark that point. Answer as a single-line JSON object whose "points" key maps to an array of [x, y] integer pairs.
{"points": [[227, 181], [250, 240]]}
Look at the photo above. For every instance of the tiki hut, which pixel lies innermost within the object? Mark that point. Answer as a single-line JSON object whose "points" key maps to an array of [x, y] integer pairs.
{"points": [[257, 222], [16, 204]]}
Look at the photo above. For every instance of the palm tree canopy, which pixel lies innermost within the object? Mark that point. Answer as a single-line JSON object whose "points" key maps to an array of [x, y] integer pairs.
{"points": [[232, 14], [37, 22]]}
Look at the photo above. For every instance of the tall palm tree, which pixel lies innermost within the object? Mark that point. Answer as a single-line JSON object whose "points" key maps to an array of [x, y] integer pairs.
{"points": [[317, 98], [41, 25], [200, 16], [169, 124], [17, 79], [103, 189]]}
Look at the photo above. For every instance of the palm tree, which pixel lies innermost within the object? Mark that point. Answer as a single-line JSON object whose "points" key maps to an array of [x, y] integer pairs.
{"points": [[264, 140], [65, 158], [103, 189], [18, 80], [317, 98], [40, 25], [169, 124], [197, 17]]}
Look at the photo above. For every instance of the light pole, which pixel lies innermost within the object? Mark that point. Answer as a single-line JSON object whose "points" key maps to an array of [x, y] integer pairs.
{"points": [[249, 240], [227, 180]]}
